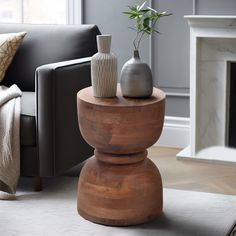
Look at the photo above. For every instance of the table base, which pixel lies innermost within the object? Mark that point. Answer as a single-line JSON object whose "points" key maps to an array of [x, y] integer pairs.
{"points": [[120, 194]]}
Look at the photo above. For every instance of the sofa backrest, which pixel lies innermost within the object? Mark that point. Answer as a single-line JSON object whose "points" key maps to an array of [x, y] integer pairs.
{"points": [[45, 44]]}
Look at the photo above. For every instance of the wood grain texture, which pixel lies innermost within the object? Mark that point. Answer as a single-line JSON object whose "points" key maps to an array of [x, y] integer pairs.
{"points": [[120, 195], [119, 185], [120, 125], [193, 175]]}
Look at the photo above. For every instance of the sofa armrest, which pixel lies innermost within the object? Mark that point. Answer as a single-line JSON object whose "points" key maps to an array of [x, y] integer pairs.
{"points": [[60, 144]]}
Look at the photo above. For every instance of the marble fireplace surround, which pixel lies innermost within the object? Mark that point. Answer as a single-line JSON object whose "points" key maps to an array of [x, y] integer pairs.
{"points": [[212, 48]]}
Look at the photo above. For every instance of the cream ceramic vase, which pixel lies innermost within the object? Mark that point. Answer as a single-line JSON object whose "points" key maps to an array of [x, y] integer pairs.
{"points": [[104, 69]]}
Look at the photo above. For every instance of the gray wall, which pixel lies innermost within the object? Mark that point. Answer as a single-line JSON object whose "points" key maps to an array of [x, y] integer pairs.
{"points": [[167, 53], [107, 14]]}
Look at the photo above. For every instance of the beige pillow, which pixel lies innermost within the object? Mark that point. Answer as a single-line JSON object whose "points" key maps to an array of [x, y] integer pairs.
{"points": [[9, 43]]}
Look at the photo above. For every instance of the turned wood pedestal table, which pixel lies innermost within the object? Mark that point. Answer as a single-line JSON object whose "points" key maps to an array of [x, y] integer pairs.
{"points": [[119, 185]]}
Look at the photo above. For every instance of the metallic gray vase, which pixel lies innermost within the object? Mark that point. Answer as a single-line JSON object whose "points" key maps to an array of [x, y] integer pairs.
{"points": [[136, 78]]}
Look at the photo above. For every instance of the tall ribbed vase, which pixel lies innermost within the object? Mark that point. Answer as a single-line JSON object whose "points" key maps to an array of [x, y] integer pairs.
{"points": [[104, 69]]}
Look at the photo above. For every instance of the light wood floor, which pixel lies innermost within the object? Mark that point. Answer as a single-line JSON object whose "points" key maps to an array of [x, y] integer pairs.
{"points": [[190, 175]]}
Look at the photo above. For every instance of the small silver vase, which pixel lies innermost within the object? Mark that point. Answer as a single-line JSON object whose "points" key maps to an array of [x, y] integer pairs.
{"points": [[136, 78]]}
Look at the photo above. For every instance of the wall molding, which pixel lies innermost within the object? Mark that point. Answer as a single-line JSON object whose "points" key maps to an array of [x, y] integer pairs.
{"points": [[171, 94], [183, 91], [150, 49], [175, 92], [74, 11], [175, 132], [194, 7]]}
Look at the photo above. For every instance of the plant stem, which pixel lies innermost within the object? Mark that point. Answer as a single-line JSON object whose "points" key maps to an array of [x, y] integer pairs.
{"points": [[140, 40], [145, 19], [134, 42]]}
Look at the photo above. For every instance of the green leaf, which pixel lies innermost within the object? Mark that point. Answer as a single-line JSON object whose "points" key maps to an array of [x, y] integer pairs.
{"points": [[151, 9], [145, 19], [127, 12], [156, 15], [139, 26], [147, 31], [132, 28], [165, 14], [132, 8], [146, 22], [155, 31], [144, 11], [141, 7]]}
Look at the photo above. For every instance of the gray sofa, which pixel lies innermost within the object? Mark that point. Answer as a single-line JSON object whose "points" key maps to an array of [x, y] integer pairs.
{"points": [[50, 67]]}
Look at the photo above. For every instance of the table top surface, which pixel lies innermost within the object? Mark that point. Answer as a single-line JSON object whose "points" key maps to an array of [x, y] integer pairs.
{"points": [[86, 95]]}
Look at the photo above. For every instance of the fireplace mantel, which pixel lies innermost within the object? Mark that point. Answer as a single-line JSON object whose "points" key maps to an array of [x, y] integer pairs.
{"points": [[211, 21], [212, 47]]}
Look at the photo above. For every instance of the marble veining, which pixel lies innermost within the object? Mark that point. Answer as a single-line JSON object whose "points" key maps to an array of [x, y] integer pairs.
{"points": [[211, 100], [217, 49], [212, 46], [211, 92]]}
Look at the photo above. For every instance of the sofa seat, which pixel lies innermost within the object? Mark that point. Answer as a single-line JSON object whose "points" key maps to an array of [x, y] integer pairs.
{"points": [[28, 121]]}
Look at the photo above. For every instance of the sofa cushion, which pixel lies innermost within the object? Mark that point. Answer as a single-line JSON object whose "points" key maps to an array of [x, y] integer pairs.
{"points": [[9, 44], [28, 120]]}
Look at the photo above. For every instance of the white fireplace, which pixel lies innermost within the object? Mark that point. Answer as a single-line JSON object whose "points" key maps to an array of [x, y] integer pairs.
{"points": [[212, 50]]}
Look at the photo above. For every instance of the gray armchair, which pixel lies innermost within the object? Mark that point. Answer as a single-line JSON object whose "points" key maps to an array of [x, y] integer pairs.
{"points": [[50, 67]]}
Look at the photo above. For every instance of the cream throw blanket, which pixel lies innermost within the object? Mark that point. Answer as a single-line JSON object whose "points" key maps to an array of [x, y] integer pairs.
{"points": [[9, 140]]}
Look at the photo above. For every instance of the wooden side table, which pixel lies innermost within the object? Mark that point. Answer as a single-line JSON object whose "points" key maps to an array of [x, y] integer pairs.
{"points": [[119, 185]]}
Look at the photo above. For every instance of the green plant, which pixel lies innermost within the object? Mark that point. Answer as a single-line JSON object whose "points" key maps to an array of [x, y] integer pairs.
{"points": [[146, 19]]}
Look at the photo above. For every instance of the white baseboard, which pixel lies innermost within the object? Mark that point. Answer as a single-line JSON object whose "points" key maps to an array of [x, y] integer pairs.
{"points": [[175, 132]]}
